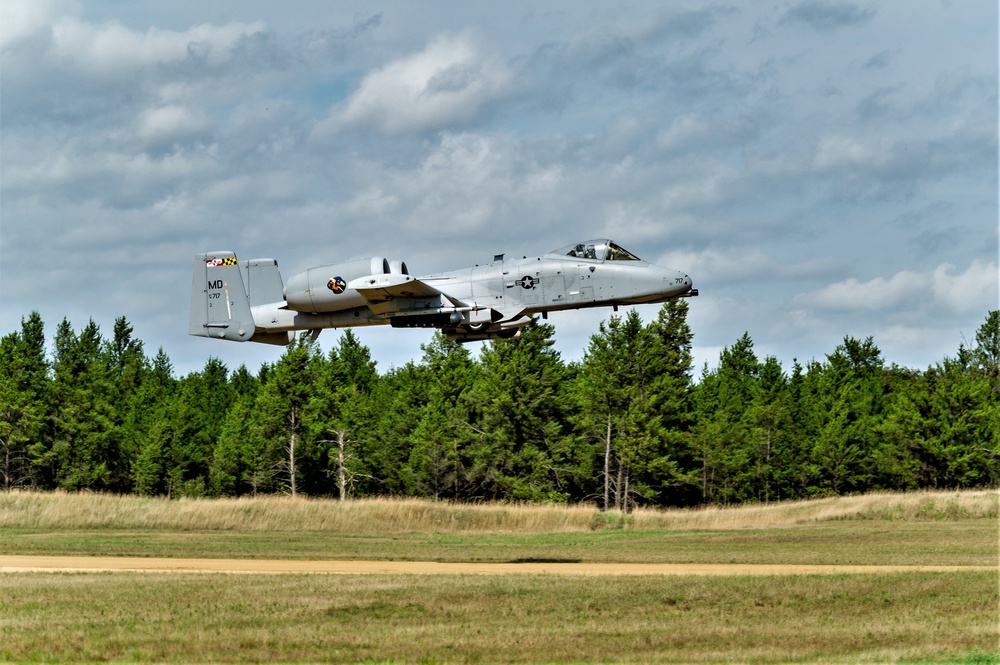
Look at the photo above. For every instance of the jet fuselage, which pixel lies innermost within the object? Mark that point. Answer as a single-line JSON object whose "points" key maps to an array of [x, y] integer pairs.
{"points": [[247, 301]]}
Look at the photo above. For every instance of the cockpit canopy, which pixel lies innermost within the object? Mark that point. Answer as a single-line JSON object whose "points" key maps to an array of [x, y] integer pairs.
{"points": [[598, 250]]}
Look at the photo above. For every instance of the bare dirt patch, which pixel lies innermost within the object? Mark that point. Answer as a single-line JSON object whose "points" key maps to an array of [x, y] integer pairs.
{"points": [[9, 564]]}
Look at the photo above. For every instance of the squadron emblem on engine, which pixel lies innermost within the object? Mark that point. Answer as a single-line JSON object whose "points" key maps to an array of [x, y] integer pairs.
{"points": [[336, 284]]}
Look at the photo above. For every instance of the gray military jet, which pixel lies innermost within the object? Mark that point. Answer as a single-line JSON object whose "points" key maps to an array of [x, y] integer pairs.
{"points": [[245, 301]]}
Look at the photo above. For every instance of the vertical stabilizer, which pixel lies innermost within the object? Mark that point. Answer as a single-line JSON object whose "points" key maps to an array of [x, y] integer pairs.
{"points": [[219, 304], [263, 281]]}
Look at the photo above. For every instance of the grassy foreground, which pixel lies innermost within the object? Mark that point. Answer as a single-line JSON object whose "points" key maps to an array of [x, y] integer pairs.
{"points": [[306, 618], [900, 617]]}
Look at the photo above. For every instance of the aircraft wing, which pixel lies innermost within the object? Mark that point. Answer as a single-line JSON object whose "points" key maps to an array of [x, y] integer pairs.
{"points": [[387, 294]]}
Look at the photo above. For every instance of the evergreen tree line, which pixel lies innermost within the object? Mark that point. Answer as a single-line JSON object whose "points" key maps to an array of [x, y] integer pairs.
{"points": [[626, 425]]}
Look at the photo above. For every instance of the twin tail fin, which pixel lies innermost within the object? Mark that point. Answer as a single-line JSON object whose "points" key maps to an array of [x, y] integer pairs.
{"points": [[223, 290]]}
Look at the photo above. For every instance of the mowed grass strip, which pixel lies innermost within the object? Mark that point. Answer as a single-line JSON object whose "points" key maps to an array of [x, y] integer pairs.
{"points": [[59, 617], [970, 542]]}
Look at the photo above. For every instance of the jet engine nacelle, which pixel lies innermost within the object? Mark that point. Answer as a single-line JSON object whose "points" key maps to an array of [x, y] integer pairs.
{"points": [[324, 289]]}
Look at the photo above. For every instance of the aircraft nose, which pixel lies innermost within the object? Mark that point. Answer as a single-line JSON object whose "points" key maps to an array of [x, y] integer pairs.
{"points": [[657, 284], [681, 283], [688, 287]]}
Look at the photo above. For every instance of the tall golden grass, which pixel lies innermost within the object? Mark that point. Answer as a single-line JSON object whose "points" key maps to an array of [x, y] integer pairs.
{"points": [[60, 510], [926, 505]]}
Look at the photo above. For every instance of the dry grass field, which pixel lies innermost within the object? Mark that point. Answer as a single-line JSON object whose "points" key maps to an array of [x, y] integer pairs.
{"points": [[277, 513], [912, 617]]}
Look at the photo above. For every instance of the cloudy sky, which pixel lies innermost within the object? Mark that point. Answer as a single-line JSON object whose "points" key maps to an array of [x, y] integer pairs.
{"points": [[820, 168]]}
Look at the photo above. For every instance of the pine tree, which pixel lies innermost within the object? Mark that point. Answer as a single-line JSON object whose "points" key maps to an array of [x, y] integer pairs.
{"points": [[944, 424], [769, 419], [191, 427], [23, 397], [723, 434], [397, 406], [240, 462], [436, 464], [520, 450], [667, 357], [986, 353], [339, 416], [608, 384], [280, 409], [85, 447], [239, 465], [854, 391], [149, 428], [128, 369]]}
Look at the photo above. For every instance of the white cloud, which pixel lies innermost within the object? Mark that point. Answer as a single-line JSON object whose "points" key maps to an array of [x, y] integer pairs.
{"points": [[834, 152], [901, 290], [969, 292], [373, 201], [459, 184], [743, 265], [74, 168], [22, 19], [706, 190], [171, 123], [910, 291], [112, 50], [448, 82], [683, 131], [455, 189]]}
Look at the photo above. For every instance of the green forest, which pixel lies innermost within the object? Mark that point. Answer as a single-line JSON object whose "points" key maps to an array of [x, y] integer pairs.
{"points": [[632, 423]]}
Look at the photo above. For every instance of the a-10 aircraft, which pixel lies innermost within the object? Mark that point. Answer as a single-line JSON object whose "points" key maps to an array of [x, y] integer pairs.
{"points": [[245, 301]]}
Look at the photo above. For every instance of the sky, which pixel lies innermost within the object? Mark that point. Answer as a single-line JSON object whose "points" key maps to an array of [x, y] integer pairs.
{"points": [[821, 168]]}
